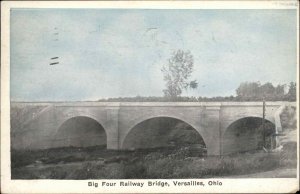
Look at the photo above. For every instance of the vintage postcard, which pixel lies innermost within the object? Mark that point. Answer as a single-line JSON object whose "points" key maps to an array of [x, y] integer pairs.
{"points": [[149, 97]]}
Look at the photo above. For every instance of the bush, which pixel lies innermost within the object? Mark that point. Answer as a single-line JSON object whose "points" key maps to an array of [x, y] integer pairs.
{"points": [[288, 155], [163, 168], [288, 118], [135, 171]]}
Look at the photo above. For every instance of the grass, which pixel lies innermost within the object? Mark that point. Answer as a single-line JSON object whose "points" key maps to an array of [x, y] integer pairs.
{"points": [[163, 163]]}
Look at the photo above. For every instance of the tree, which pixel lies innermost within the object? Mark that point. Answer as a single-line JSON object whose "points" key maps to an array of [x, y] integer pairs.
{"points": [[279, 91], [292, 92], [177, 73], [248, 91], [267, 91]]}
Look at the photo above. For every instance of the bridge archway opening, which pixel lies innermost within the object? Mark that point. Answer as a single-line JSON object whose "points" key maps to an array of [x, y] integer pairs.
{"points": [[80, 131], [165, 132], [247, 134]]}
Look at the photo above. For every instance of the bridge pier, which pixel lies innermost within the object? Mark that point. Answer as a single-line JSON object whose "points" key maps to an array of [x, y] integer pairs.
{"points": [[211, 123], [112, 128]]}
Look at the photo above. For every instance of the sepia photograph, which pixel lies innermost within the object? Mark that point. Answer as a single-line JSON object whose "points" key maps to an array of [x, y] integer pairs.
{"points": [[149, 97]]}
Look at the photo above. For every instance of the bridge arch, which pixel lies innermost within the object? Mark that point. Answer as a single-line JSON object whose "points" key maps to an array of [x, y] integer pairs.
{"points": [[246, 134], [63, 114], [235, 117], [202, 134], [80, 131]]}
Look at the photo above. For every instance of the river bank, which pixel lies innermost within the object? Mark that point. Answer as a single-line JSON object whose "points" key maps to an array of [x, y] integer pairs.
{"points": [[160, 163]]}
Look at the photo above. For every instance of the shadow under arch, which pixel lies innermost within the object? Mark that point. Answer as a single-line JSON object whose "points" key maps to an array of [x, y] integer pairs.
{"points": [[162, 131], [80, 131], [246, 134]]}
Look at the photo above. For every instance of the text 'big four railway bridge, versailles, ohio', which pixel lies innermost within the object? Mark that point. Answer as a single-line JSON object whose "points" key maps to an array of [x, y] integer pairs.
{"points": [[38, 125]]}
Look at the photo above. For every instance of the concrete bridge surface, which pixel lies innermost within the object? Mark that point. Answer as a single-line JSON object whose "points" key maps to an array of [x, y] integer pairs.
{"points": [[36, 125]]}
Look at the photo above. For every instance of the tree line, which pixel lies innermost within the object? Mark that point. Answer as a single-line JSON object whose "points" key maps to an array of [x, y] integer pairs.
{"points": [[247, 91], [255, 91]]}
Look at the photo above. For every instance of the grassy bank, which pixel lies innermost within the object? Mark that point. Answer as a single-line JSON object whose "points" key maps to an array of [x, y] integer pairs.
{"points": [[99, 163]]}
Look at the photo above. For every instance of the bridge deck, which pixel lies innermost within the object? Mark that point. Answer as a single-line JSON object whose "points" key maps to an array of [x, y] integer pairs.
{"points": [[153, 104]]}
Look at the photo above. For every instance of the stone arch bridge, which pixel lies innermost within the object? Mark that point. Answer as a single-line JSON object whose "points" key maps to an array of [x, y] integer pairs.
{"points": [[35, 125]]}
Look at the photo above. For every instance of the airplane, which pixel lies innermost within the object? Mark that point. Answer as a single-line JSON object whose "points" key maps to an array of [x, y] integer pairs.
{"points": [[54, 63]]}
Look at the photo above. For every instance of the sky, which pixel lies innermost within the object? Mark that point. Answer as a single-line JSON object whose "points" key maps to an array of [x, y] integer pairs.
{"points": [[105, 53]]}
